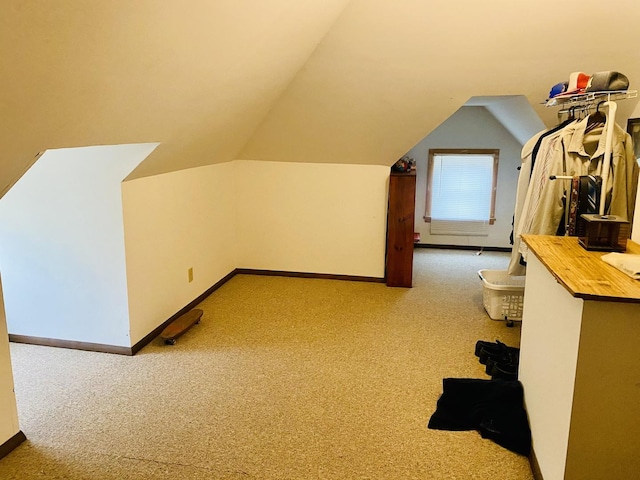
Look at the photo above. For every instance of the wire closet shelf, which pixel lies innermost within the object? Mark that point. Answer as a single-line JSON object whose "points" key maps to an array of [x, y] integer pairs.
{"points": [[590, 98]]}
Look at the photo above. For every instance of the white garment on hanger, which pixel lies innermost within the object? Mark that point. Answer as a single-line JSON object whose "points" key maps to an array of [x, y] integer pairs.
{"points": [[543, 169], [526, 155]]}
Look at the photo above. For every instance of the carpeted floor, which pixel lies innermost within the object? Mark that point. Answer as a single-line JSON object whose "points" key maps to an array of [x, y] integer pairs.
{"points": [[285, 378]]}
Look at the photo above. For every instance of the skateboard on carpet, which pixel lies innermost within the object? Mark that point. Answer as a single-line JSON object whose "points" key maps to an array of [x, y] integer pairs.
{"points": [[180, 325]]}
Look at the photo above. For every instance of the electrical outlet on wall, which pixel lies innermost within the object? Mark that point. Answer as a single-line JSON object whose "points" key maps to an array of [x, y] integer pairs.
{"points": [[190, 273]]}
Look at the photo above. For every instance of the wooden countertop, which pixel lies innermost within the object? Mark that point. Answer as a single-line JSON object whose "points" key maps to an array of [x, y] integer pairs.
{"points": [[582, 272]]}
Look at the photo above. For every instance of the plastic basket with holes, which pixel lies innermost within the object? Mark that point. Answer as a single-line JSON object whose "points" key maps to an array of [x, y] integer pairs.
{"points": [[502, 294]]}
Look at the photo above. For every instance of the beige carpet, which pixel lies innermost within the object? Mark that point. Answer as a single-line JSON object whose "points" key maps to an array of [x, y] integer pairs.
{"points": [[285, 378]]}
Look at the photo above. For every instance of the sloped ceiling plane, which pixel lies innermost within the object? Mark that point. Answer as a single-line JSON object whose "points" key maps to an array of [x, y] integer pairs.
{"points": [[332, 81]]}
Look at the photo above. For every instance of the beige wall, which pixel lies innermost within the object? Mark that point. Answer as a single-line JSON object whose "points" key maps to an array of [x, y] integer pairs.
{"points": [[8, 410], [319, 218], [62, 246], [174, 222]]}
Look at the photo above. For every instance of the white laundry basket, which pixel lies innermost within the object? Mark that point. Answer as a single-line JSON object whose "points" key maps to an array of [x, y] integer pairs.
{"points": [[502, 294]]}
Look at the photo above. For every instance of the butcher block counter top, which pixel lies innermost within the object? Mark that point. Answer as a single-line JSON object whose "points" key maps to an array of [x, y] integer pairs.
{"points": [[582, 272]]}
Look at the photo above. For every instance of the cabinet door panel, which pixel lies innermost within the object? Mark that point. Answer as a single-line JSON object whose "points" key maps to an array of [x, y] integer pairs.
{"points": [[400, 228]]}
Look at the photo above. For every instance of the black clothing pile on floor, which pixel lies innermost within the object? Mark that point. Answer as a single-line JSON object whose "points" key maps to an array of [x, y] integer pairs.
{"points": [[492, 407], [495, 408]]}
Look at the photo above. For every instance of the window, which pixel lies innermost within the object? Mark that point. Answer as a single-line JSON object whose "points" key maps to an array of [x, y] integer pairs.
{"points": [[461, 191]]}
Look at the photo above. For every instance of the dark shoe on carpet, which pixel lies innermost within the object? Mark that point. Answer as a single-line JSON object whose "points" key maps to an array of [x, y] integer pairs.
{"points": [[497, 350], [505, 360], [480, 344], [504, 372]]}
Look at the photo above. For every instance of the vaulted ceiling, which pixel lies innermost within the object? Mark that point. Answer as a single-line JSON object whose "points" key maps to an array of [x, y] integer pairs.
{"points": [[346, 81]]}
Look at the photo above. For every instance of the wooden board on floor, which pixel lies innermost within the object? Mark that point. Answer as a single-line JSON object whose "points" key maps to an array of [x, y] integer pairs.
{"points": [[180, 325]]}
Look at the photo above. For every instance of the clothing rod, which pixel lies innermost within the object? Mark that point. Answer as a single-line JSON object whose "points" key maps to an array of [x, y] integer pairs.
{"points": [[560, 177], [580, 108]]}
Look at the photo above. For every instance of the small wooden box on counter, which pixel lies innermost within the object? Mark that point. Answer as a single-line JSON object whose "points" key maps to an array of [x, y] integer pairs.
{"points": [[604, 233]]}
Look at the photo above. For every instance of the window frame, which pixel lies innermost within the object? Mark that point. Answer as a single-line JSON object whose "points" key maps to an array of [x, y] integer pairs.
{"points": [[461, 152]]}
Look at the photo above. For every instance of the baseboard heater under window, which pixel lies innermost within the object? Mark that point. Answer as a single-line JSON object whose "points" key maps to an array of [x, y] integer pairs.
{"points": [[460, 227]]}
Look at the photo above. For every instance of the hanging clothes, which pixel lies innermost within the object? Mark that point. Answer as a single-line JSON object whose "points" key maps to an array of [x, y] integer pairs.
{"points": [[516, 266], [529, 154], [544, 204], [576, 149], [578, 152], [622, 186]]}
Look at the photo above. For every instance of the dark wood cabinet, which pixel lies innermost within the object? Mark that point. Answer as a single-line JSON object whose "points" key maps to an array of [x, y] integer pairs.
{"points": [[400, 227]]}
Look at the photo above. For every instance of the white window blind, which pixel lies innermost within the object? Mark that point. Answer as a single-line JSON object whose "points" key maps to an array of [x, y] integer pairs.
{"points": [[461, 194]]}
